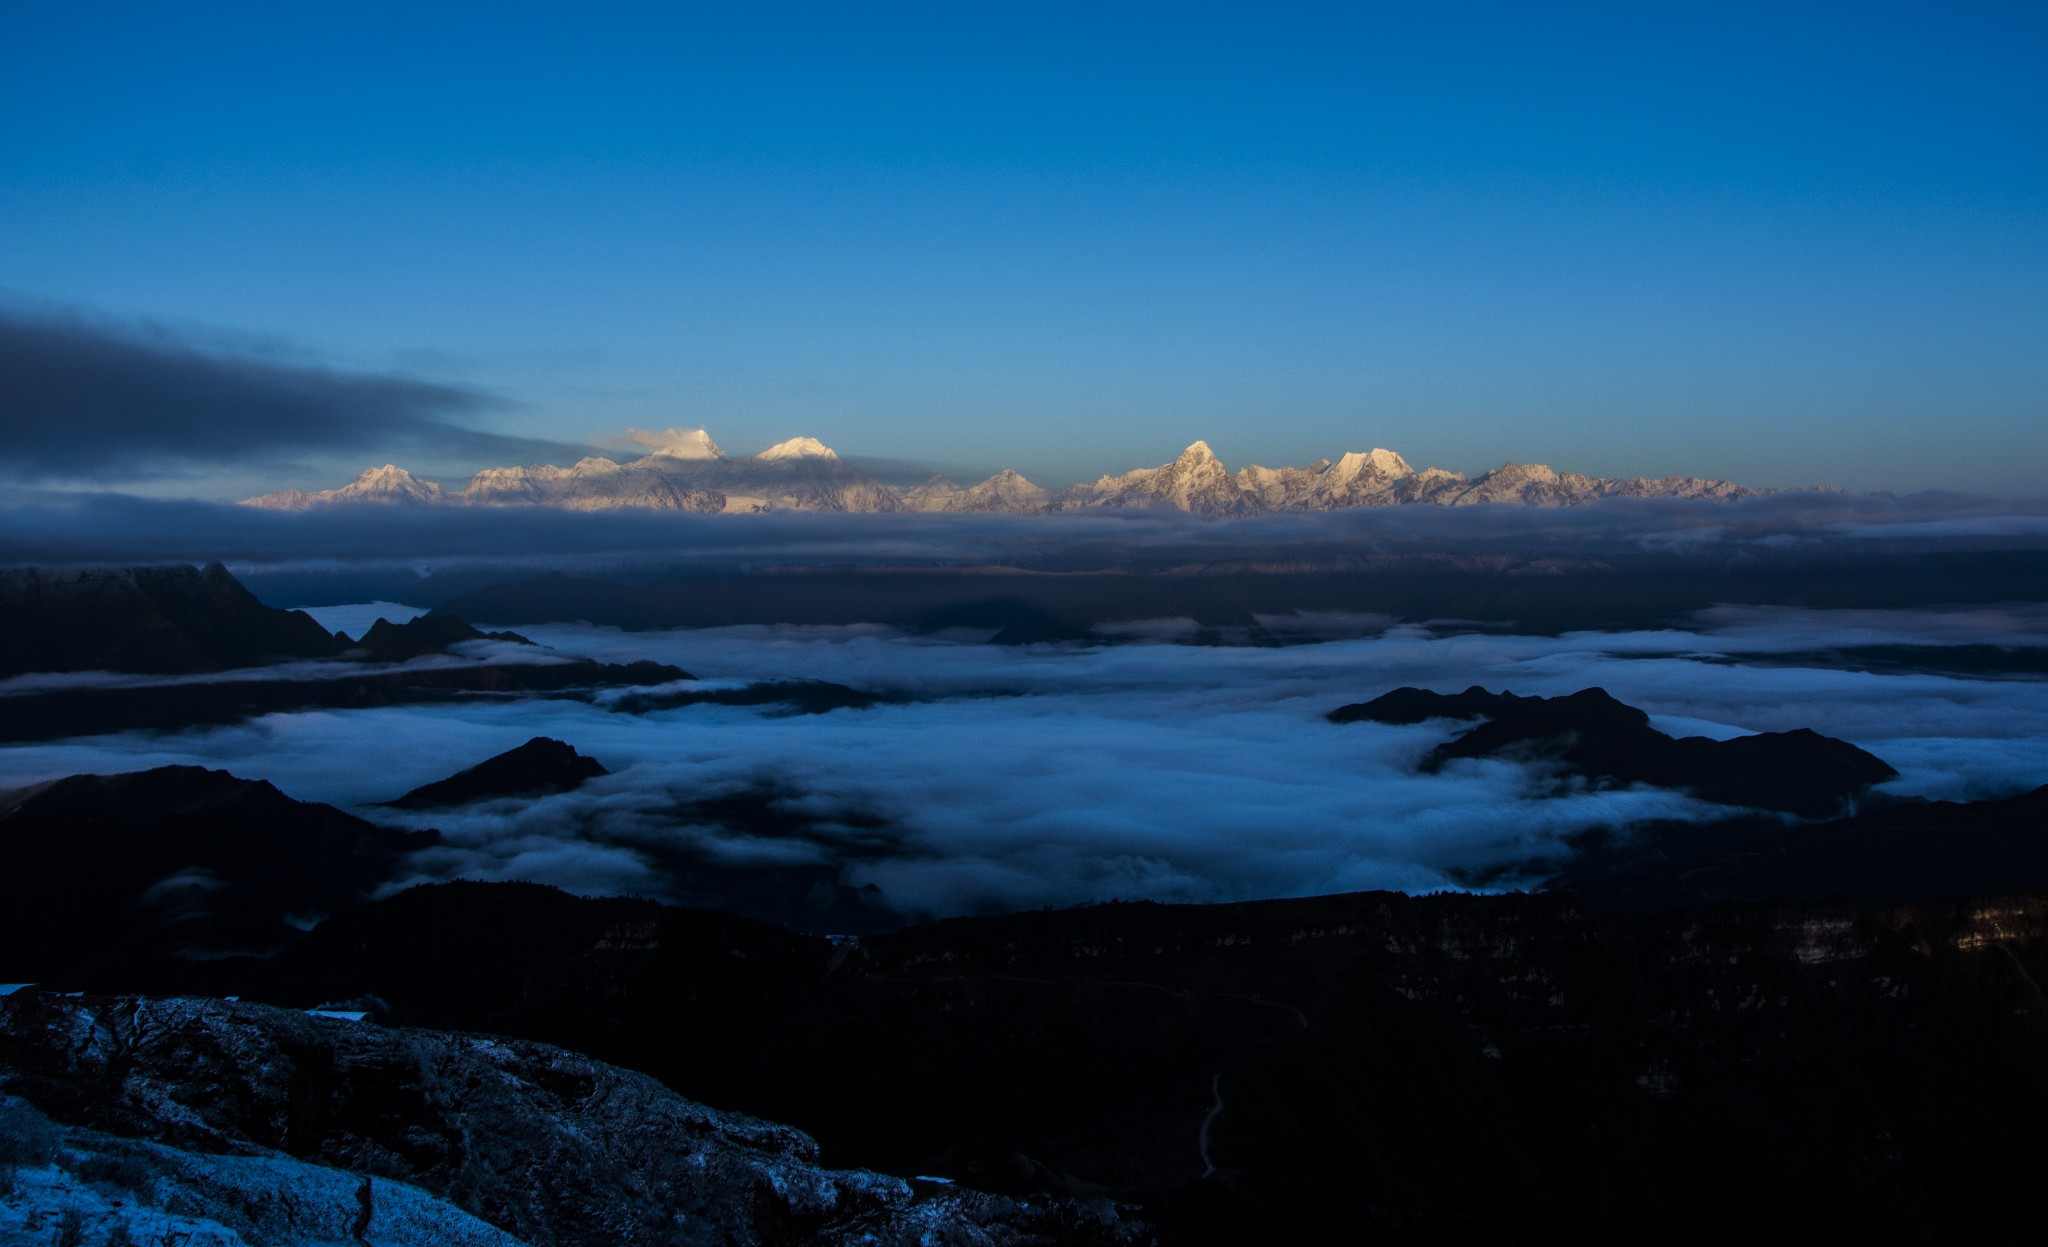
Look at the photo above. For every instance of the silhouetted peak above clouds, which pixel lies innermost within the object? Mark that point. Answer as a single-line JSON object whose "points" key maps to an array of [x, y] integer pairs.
{"points": [[1590, 734], [541, 765]]}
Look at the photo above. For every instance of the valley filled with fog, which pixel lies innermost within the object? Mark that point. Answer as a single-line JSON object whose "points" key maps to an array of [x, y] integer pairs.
{"points": [[985, 777]]}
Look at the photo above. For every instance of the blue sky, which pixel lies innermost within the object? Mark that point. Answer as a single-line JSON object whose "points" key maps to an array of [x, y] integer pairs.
{"points": [[1785, 244]]}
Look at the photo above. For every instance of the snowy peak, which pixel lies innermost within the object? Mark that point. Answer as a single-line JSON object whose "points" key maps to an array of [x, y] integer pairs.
{"points": [[393, 482], [389, 484], [1378, 462], [1195, 481], [1006, 491], [684, 470], [797, 448], [678, 443]]}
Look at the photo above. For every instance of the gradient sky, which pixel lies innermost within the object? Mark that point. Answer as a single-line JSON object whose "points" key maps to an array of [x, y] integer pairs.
{"points": [[1785, 244]]}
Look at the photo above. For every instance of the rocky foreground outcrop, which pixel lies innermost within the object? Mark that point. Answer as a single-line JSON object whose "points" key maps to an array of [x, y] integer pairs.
{"points": [[1369, 1067], [252, 1124]]}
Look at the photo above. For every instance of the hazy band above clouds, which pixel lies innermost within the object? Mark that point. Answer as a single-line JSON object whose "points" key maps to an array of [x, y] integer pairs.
{"points": [[50, 528]]}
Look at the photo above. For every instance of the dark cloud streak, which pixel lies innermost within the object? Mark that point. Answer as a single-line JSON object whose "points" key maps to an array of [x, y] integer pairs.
{"points": [[84, 401]]}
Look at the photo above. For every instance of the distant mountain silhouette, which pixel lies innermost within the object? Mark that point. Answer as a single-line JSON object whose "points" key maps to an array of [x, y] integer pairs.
{"points": [[426, 634], [173, 620]]}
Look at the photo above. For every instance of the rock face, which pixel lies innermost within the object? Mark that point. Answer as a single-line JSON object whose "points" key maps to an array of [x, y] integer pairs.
{"points": [[593, 484], [688, 472], [1005, 491], [541, 765], [1592, 735], [73, 1184], [1196, 481], [541, 1145], [103, 870], [159, 620], [1323, 1070]]}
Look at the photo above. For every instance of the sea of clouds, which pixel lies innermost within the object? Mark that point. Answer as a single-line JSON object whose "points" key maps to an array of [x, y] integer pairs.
{"points": [[1047, 775]]}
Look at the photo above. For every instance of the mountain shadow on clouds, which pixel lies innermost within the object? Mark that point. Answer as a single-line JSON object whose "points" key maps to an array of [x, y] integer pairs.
{"points": [[539, 766], [1591, 734]]}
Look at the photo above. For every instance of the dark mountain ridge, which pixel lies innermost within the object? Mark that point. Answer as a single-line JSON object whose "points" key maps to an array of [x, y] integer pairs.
{"points": [[56, 713], [98, 871], [1591, 735], [541, 765], [181, 624], [151, 620]]}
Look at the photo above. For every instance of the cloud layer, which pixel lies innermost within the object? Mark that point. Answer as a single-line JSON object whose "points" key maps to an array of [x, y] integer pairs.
{"points": [[1053, 775]]}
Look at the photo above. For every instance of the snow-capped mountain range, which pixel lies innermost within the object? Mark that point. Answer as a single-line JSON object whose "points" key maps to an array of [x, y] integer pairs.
{"points": [[686, 471]]}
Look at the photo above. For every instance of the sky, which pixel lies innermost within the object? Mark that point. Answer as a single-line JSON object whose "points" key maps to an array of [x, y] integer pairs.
{"points": [[1782, 244]]}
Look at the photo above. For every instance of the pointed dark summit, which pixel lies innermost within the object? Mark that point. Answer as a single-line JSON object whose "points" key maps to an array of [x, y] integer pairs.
{"points": [[539, 766]]}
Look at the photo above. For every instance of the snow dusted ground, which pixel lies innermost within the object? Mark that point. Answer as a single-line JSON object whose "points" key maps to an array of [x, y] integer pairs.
{"points": [[103, 1188], [244, 1124]]}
